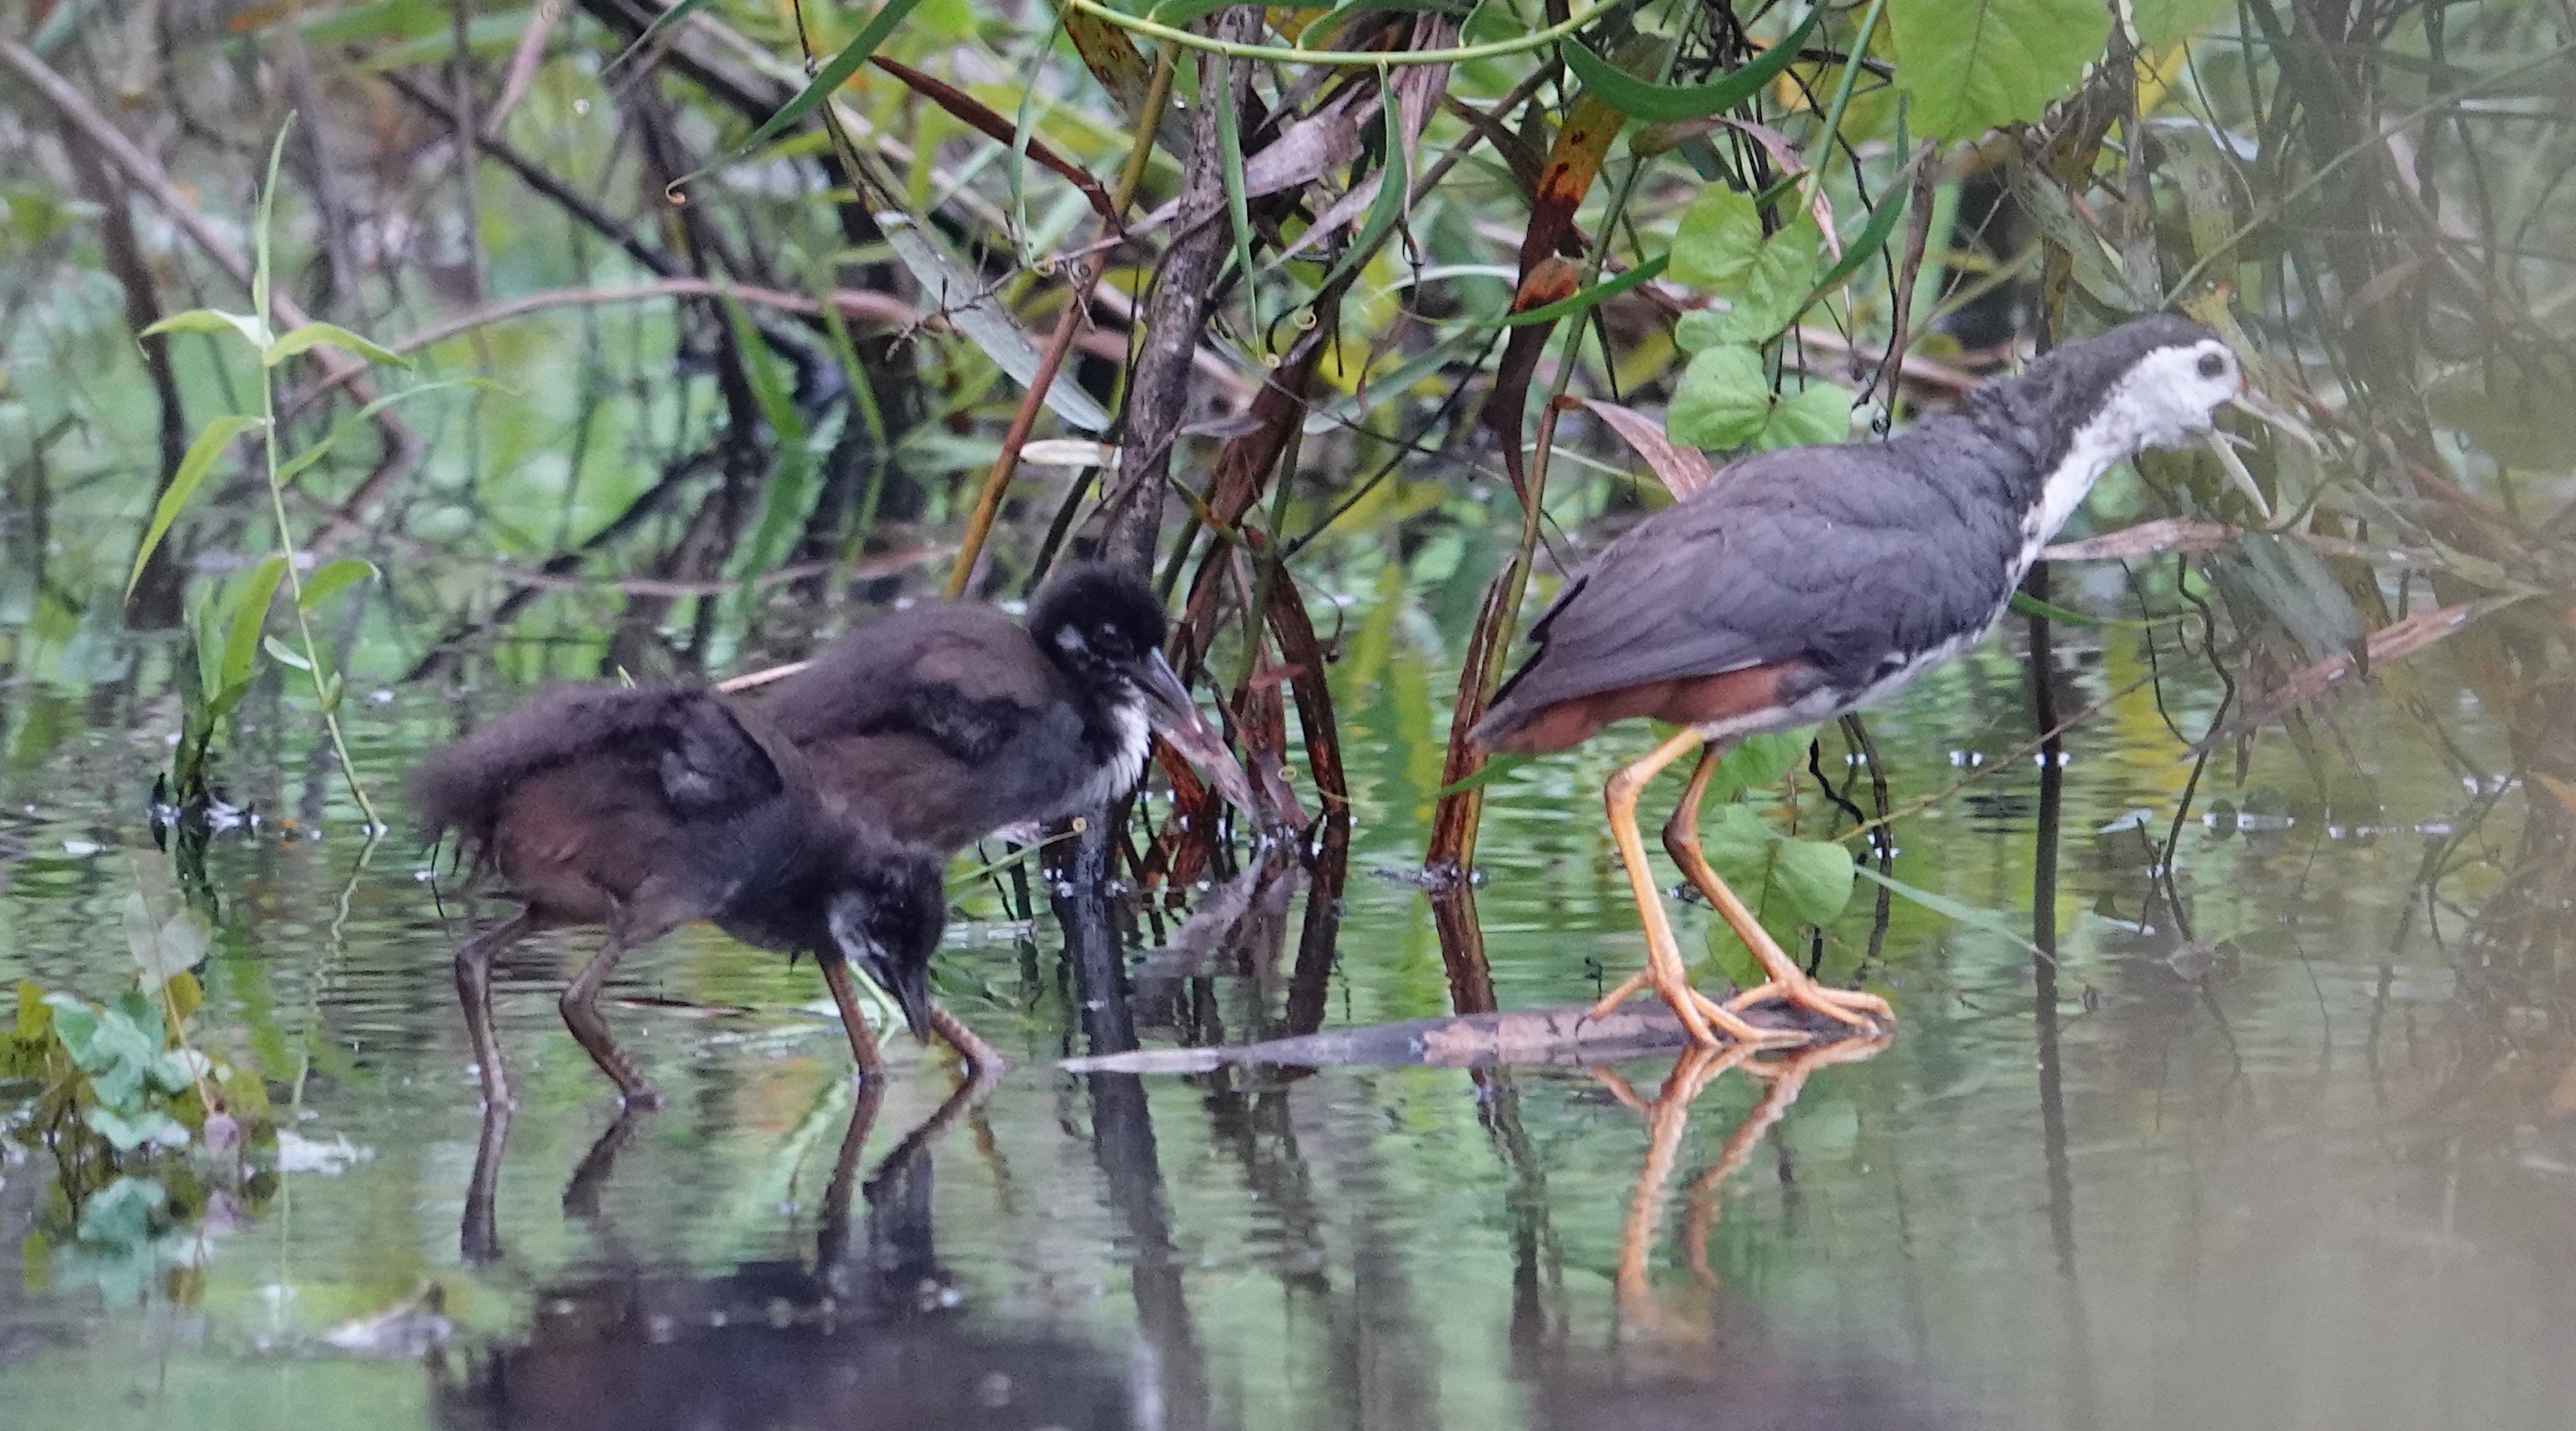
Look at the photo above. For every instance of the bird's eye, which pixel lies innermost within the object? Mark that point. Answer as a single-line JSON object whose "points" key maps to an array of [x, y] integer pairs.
{"points": [[2211, 365]]}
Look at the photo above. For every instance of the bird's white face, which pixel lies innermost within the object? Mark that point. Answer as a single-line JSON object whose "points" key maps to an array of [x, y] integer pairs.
{"points": [[2168, 399]]}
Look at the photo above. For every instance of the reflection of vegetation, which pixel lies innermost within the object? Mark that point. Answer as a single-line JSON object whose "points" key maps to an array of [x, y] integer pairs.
{"points": [[147, 1132]]}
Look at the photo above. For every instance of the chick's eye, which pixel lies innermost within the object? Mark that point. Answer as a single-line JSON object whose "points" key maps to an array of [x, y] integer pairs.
{"points": [[2211, 365]]}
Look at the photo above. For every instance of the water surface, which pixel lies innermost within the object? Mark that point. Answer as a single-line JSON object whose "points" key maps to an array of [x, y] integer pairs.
{"points": [[2291, 1148]]}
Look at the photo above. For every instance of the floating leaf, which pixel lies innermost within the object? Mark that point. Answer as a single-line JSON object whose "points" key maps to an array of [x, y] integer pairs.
{"points": [[1758, 760], [1968, 66], [1787, 882]]}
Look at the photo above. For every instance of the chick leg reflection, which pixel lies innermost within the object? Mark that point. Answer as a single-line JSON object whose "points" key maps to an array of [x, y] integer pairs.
{"points": [[1668, 1118]]}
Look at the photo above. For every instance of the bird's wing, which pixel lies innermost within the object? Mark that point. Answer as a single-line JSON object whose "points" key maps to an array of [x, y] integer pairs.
{"points": [[1803, 554], [711, 767], [964, 676], [968, 697]]}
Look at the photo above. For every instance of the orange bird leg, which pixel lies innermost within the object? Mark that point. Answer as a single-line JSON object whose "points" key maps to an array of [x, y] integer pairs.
{"points": [[1665, 969], [854, 1020], [1786, 981]]}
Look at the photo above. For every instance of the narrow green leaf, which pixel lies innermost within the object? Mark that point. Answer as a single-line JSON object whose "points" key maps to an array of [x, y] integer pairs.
{"points": [[284, 654], [1873, 236], [316, 335], [267, 211], [1394, 181], [1975, 918], [834, 71], [661, 23], [2029, 605], [333, 578], [193, 467], [293, 467], [249, 617], [210, 320], [1642, 99], [793, 482], [1229, 143], [1494, 769], [1592, 297]]}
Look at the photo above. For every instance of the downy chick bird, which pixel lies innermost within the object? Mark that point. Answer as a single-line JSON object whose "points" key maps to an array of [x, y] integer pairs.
{"points": [[1802, 583], [643, 809], [946, 722]]}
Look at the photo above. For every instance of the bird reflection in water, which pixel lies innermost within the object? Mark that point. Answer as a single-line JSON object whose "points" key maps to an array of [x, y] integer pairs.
{"points": [[1694, 1357], [866, 1336]]}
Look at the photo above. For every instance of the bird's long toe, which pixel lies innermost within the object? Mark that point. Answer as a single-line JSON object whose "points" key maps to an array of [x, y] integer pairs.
{"points": [[1855, 1008]]}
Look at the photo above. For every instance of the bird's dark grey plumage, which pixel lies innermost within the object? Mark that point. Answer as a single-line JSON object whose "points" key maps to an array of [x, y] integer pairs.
{"points": [[945, 722], [1845, 567]]}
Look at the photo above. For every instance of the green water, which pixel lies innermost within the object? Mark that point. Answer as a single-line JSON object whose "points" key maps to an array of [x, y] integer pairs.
{"points": [[2309, 1165]]}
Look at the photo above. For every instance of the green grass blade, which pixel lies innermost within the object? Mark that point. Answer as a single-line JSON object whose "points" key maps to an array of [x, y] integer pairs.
{"points": [[249, 622], [193, 467], [661, 25], [1229, 140], [1394, 181], [1594, 296], [1641, 99], [267, 211], [834, 72]]}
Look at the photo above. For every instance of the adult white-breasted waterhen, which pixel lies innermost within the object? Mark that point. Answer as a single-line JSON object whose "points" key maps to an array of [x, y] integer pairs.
{"points": [[645, 809], [1803, 583], [945, 722]]}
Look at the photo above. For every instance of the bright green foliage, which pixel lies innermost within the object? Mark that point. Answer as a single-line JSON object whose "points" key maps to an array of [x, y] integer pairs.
{"points": [[1758, 760], [2170, 22], [1968, 66], [1717, 240], [1777, 286], [1787, 882], [1817, 414], [1725, 401]]}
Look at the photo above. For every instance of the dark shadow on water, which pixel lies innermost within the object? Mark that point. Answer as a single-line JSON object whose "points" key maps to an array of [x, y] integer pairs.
{"points": [[866, 1335]]}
